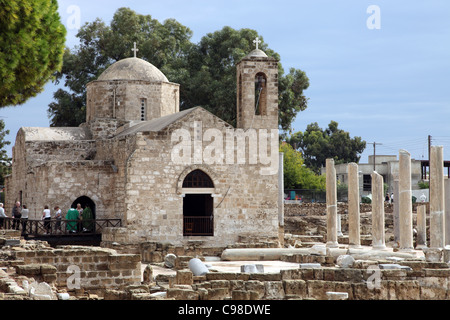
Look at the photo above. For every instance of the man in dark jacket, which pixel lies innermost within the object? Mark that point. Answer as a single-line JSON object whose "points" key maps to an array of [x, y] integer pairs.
{"points": [[16, 214]]}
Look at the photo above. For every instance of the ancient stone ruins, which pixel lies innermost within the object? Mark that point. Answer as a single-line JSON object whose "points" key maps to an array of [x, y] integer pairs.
{"points": [[329, 251], [200, 208]]}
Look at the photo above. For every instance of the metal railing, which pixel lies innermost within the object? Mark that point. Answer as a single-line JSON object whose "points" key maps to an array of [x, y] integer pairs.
{"points": [[198, 226], [307, 195], [58, 226]]}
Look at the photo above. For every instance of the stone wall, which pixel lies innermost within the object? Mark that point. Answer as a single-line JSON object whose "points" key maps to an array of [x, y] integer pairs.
{"points": [[65, 181], [241, 206], [419, 281], [121, 99], [100, 268]]}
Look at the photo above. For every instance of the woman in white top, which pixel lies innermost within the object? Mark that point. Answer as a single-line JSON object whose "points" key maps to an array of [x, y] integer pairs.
{"points": [[46, 216], [24, 218], [2, 215]]}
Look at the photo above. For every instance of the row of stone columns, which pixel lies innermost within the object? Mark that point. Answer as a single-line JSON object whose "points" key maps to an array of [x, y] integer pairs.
{"points": [[403, 219]]}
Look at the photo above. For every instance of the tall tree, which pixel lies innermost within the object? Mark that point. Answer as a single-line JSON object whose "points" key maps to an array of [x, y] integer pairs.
{"points": [[32, 40], [316, 145], [205, 71], [5, 161]]}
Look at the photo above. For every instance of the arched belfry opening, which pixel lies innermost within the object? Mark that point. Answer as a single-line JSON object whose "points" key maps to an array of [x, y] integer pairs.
{"points": [[198, 204], [260, 94]]}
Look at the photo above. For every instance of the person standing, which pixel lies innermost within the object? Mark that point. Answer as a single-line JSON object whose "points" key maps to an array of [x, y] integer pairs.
{"points": [[46, 216], [58, 217], [16, 214], [2, 215], [87, 218], [72, 219], [24, 218], [80, 216]]}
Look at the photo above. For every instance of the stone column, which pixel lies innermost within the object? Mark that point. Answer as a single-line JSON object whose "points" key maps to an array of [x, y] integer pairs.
{"points": [[354, 234], [331, 204], [447, 211], [437, 202], [339, 226], [281, 198], [421, 241], [405, 201], [396, 213], [378, 237]]}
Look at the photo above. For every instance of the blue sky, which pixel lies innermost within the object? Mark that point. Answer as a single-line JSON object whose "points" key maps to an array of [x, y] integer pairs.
{"points": [[388, 85]]}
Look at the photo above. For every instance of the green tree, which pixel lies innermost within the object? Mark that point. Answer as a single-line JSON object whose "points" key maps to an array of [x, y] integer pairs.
{"points": [[316, 145], [5, 161], [32, 41], [295, 174], [205, 71]]}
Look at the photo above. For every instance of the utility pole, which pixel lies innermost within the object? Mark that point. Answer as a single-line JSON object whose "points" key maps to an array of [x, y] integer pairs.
{"points": [[374, 154]]}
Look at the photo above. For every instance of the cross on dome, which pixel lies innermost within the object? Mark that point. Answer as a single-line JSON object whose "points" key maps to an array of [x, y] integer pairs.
{"points": [[257, 41], [135, 49]]}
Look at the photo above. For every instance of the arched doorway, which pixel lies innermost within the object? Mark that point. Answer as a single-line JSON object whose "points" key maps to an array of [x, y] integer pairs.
{"points": [[198, 204], [85, 201], [86, 225]]}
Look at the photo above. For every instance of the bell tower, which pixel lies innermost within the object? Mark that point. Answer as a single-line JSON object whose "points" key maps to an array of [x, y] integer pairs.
{"points": [[257, 91]]}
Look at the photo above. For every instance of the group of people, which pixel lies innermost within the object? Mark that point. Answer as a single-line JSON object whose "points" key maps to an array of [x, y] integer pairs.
{"points": [[78, 219], [19, 213]]}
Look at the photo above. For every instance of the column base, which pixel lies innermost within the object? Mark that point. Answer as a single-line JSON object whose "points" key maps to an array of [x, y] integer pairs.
{"points": [[332, 244], [379, 247]]}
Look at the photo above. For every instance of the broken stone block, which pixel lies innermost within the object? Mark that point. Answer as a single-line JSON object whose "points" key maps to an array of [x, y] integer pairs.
{"points": [[148, 274], [345, 261], [15, 289], [433, 254], [318, 249], [337, 295], [182, 294], [274, 290], [389, 266], [41, 291], [12, 242], [184, 277], [309, 265], [169, 260], [197, 267], [63, 296], [252, 268], [240, 295]]}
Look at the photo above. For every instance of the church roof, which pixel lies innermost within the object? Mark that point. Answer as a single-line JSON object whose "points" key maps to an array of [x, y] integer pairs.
{"points": [[159, 124], [133, 69], [55, 134]]}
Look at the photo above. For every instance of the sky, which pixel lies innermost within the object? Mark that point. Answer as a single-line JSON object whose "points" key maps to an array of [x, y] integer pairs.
{"points": [[381, 69]]}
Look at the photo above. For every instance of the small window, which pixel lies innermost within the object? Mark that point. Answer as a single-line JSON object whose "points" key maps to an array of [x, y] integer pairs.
{"points": [[143, 109]]}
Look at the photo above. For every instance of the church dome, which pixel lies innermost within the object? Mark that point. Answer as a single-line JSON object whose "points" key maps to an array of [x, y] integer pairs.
{"points": [[257, 53], [133, 69]]}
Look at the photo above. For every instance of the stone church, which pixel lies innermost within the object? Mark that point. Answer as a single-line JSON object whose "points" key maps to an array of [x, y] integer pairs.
{"points": [[171, 176]]}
